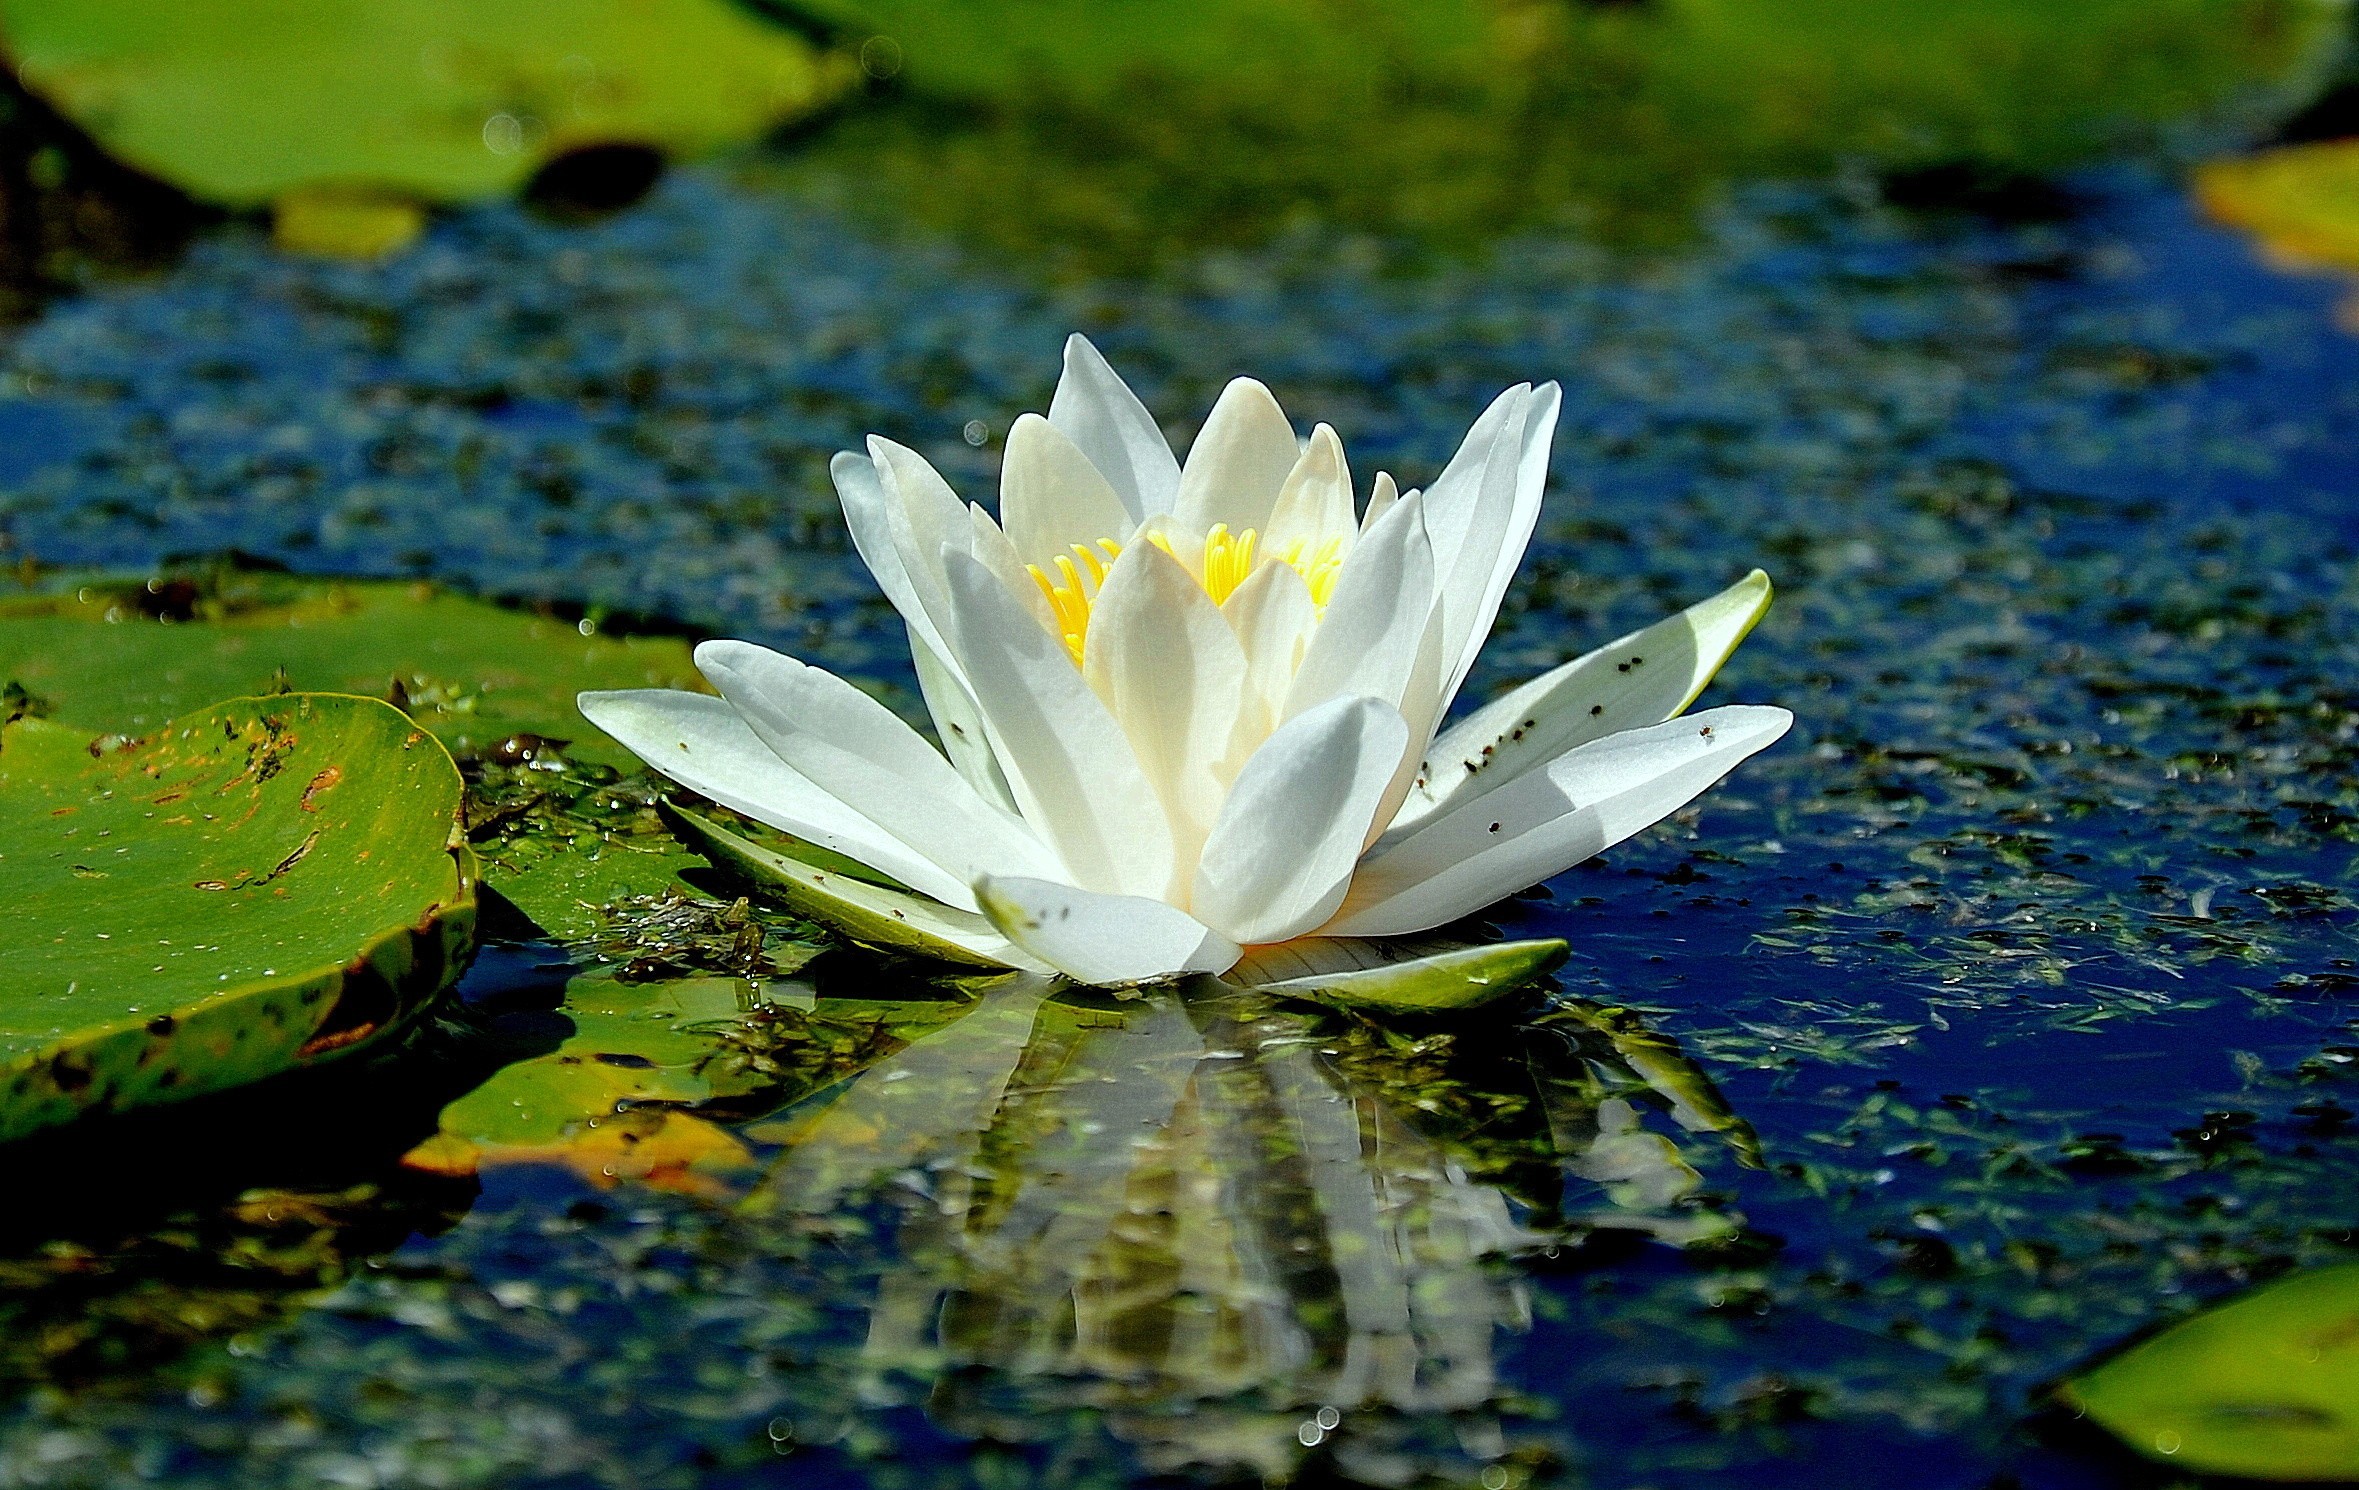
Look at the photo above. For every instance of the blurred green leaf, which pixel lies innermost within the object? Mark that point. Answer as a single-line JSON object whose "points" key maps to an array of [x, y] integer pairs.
{"points": [[2264, 1386], [263, 884], [242, 101]]}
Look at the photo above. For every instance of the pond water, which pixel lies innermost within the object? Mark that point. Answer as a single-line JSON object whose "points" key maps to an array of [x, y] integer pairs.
{"points": [[2002, 1011]]}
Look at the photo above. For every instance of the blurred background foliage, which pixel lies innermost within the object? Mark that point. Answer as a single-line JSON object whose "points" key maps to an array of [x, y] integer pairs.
{"points": [[1096, 137]]}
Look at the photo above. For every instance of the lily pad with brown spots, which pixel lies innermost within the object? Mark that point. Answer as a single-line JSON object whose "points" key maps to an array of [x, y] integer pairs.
{"points": [[260, 885]]}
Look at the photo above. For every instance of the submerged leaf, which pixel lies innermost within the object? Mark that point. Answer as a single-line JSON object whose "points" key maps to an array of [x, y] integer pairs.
{"points": [[2264, 1386], [264, 884]]}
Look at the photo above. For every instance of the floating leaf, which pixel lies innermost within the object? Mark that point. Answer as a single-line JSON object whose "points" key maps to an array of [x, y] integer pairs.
{"points": [[628, 1047], [2264, 1386], [264, 884], [871, 914], [1421, 974], [242, 101], [2301, 202], [126, 655]]}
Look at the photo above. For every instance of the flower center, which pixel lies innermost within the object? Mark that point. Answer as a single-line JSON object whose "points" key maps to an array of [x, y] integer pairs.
{"points": [[1229, 560]]}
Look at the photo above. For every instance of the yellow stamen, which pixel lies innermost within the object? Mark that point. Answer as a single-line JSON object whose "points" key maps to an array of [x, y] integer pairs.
{"points": [[1319, 567], [1230, 559]]}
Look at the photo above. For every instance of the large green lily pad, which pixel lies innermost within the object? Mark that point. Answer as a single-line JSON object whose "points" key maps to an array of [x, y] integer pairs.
{"points": [[2265, 1386], [245, 101], [108, 654], [261, 885]]}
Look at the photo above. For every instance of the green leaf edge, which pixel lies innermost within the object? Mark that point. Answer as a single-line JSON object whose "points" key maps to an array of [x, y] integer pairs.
{"points": [[1462, 978]]}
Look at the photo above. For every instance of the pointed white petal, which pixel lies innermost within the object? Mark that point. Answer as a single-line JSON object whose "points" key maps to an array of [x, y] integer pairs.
{"points": [[700, 742], [1531, 484], [994, 552], [1641, 679], [1165, 661], [868, 514], [1584, 802], [1051, 498], [1097, 411], [859, 752], [1240, 459], [1376, 619], [1103, 939], [1315, 505], [1274, 618], [959, 724], [1481, 521], [1281, 855], [1067, 762], [1381, 495], [873, 915]]}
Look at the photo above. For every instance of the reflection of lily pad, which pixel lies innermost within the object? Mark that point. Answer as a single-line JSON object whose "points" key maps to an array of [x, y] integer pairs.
{"points": [[264, 884], [241, 101], [110, 655], [627, 1093], [2265, 1386]]}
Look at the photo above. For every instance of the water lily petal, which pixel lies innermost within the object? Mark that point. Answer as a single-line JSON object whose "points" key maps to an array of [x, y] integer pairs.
{"points": [[1096, 410], [1280, 857], [1376, 619], [1165, 661], [1103, 939], [873, 915], [958, 724], [1274, 617], [1641, 679], [1241, 458], [1481, 512], [1314, 506], [1382, 493], [1067, 761], [1051, 497], [1584, 802], [868, 515], [994, 552], [859, 752], [701, 743]]}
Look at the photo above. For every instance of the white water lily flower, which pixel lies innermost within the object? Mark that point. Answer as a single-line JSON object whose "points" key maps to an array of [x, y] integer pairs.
{"points": [[1188, 710]]}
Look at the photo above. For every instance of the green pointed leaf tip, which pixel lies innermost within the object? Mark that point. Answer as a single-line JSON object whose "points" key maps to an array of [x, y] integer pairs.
{"points": [[472, 673], [1408, 975], [261, 885], [2264, 1386], [871, 914], [241, 101]]}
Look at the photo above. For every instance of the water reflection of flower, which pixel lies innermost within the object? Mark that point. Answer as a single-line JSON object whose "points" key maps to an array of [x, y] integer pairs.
{"points": [[1238, 1229]]}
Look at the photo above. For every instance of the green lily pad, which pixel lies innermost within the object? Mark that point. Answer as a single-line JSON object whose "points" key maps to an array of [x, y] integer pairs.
{"points": [[243, 101], [1412, 975], [2264, 1386], [263, 884], [126, 655]]}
